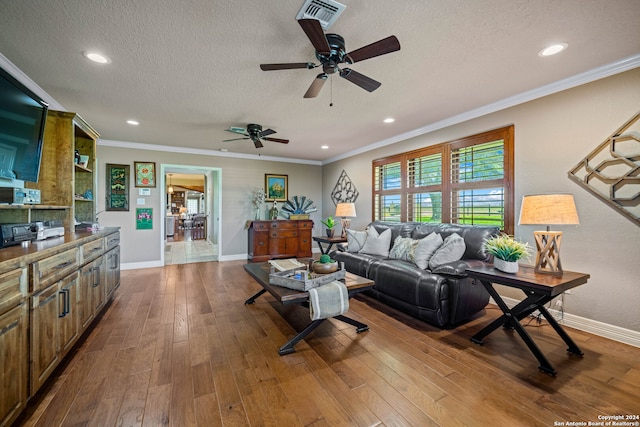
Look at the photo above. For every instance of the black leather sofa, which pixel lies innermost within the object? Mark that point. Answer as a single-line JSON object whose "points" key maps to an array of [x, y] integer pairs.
{"points": [[444, 297]]}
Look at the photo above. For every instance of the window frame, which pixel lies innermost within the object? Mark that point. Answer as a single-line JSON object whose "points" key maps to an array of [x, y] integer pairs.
{"points": [[446, 186]]}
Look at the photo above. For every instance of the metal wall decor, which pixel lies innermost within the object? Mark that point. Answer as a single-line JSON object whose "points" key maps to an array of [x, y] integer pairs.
{"points": [[344, 191], [611, 172]]}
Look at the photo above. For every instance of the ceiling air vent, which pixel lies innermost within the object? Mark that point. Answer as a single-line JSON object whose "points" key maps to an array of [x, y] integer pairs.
{"points": [[325, 11]]}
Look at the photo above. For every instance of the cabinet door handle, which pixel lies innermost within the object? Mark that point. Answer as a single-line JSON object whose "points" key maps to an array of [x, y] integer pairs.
{"points": [[63, 265], [9, 327], [63, 293]]}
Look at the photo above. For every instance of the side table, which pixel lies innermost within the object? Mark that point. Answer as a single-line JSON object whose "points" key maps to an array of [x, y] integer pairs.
{"points": [[539, 288], [328, 240]]}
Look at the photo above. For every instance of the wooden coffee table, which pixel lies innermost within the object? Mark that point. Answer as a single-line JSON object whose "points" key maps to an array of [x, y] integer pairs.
{"points": [[260, 272]]}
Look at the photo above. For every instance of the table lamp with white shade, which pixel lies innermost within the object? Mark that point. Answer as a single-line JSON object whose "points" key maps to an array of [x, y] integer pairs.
{"points": [[345, 211], [548, 209]]}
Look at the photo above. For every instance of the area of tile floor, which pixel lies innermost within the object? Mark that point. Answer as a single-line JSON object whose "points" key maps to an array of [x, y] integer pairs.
{"points": [[188, 251]]}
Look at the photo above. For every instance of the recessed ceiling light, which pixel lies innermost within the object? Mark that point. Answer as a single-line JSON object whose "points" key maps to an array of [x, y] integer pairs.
{"points": [[96, 57], [325, 147], [133, 122], [389, 120], [553, 49]]}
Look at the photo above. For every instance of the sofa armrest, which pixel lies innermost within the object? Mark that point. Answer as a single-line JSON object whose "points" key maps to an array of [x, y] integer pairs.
{"points": [[341, 247], [458, 268], [454, 268]]}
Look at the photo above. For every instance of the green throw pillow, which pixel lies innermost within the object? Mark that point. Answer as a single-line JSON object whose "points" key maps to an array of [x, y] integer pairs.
{"points": [[404, 248]]}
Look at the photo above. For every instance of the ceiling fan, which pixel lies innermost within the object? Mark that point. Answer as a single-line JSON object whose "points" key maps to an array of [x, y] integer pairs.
{"points": [[256, 134], [330, 51]]}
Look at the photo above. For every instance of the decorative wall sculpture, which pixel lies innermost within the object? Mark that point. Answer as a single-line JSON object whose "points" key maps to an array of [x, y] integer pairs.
{"points": [[344, 191], [611, 172]]}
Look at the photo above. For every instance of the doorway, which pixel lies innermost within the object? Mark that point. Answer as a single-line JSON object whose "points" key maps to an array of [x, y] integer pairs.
{"points": [[190, 194]]}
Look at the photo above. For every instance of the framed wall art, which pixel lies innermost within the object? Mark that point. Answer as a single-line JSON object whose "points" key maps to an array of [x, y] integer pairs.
{"points": [[145, 174], [144, 218], [275, 187], [117, 178]]}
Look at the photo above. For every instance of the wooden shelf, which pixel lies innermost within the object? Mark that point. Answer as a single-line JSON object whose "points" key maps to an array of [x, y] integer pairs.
{"points": [[82, 168], [35, 207]]}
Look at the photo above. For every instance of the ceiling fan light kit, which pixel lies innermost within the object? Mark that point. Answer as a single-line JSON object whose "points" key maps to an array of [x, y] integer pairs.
{"points": [[331, 52]]}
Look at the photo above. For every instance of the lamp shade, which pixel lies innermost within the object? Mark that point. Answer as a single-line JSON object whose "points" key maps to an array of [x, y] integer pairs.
{"points": [[346, 209], [548, 209]]}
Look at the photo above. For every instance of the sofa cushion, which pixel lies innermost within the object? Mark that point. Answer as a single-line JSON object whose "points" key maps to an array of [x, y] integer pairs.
{"points": [[355, 240], [404, 248], [426, 248], [451, 250], [377, 243]]}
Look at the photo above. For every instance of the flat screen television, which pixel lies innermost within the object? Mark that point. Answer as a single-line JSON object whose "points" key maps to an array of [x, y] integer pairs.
{"points": [[23, 116]]}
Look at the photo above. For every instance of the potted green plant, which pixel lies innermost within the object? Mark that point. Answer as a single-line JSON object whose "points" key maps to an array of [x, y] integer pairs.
{"points": [[324, 265], [506, 252], [329, 223]]}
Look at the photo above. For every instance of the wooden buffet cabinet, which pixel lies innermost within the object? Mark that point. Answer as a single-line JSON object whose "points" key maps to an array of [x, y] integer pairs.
{"points": [[50, 292], [279, 239]]}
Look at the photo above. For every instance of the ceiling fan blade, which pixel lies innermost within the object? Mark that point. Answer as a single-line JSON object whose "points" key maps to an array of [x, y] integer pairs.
{"points": [[267, 132], [281, 141], [234, 139], [316, 85], [314, 32], [257, 143], [241, 131], [288, 66], [361, 80], [381, 47]]}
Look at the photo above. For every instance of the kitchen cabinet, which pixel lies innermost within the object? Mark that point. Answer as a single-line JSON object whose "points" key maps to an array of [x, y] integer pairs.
{"points": [[50, 292], [14, 359]]}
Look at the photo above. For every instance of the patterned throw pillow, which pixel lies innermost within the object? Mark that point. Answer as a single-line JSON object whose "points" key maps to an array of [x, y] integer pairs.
{"points": [[451, 250], [355, 240], [425, 249], [404, 248], [377, 244]]}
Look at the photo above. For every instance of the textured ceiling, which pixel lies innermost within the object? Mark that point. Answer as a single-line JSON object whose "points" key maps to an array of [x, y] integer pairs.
{"points": [[188, 70]]}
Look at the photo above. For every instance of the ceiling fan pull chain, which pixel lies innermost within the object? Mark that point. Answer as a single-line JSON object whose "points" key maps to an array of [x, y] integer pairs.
{"points": [[331, 91]]}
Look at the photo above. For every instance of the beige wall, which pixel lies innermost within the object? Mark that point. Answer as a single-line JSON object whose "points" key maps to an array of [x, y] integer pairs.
{"points": [[239, 178], [552, 135]]}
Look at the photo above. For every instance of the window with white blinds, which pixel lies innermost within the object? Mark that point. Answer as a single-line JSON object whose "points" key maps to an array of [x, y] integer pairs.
{"points": [[469, 181]]}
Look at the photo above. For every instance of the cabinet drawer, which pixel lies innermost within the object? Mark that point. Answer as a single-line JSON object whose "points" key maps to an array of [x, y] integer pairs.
{"points": [[113, 240], [91, 250], [283, 234], [305, 225], [259, 225], [284, 225], [48, 270], [12, 288]]}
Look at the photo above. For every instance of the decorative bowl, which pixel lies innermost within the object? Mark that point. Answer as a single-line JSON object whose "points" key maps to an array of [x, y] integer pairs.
{"points": [[320, 268]]}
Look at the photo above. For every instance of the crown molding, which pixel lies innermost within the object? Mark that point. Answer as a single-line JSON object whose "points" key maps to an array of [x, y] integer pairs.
{"points": [[25, 80], [202, 152]]}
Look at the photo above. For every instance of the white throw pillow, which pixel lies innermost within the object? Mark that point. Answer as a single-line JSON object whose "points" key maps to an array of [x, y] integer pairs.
{"points": [[377, 244], [355, 240], [427, 246], [451, 250]]}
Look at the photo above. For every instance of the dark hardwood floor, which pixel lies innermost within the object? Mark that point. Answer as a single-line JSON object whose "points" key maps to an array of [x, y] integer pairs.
{"points": [[178, 347]]}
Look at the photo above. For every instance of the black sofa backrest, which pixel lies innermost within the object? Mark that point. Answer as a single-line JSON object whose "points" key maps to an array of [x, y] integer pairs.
{"points": [[473, 235]]}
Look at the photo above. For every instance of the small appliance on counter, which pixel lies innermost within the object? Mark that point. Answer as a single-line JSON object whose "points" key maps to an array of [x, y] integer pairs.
{"points": [[19, 196], [46, 229], [15, 234]]}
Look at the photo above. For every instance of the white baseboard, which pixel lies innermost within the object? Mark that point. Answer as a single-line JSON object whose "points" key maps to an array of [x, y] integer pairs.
{"points": [[612, 332], [147, 264]]}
